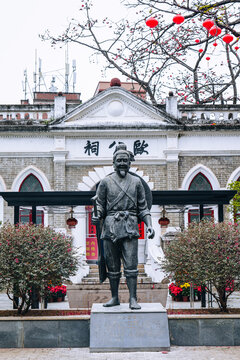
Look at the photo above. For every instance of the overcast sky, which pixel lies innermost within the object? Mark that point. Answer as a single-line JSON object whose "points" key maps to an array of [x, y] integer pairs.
{"points": [[21, 23]]}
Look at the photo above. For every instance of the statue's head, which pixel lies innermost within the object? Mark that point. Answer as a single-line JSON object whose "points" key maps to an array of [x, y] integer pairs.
{"points": [[122, 160]]}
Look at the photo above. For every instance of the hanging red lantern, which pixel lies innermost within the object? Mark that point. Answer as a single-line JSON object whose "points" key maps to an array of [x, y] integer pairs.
{"points": [[152, 22], [215, 30], [200, 50], [207, 58], [215, 44], [208, 24], [71, 222], [227, 38], [197, 41], [164, 221], [236, 47], [178, 19]]}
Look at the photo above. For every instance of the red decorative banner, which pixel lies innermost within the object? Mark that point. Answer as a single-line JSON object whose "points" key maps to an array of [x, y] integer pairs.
{"points": [[91, 248], [141, 229]]}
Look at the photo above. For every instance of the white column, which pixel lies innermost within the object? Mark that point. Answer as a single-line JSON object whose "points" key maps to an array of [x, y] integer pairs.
{"points": [[79, 243], [155, 252]]}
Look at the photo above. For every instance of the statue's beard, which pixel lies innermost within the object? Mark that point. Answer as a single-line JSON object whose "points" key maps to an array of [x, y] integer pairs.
{"points": [[122, 172]]}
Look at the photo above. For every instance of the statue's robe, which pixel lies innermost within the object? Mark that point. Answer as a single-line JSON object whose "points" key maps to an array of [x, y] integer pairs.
{"points": [[121, 203]]}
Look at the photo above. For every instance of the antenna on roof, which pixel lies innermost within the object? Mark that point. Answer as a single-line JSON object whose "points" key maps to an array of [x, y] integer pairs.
{"points": [[74, 74], [53, 88], [39, 73], [35, 72], [66, 70], [24, 84]]}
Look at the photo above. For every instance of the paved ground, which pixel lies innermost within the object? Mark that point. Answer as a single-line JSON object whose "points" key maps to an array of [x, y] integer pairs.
{"points": [[176, 353], [233, 301]]}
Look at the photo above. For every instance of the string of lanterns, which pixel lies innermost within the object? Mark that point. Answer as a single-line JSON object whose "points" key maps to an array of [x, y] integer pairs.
{"points": [[208, 24]]}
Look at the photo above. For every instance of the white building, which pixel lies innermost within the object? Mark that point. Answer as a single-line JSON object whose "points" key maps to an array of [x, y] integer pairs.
{"points": [[175, 147]]}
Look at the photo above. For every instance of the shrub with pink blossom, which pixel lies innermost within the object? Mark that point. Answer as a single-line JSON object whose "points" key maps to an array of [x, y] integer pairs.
{"points": [[33, 256], [207, 254]]}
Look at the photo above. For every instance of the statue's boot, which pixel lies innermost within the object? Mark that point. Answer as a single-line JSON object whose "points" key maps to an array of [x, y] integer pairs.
{"points": [[114, 283], [132, 286]]}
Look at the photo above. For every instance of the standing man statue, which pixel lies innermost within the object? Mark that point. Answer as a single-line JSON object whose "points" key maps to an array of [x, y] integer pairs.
{"points": [[121, 204]]}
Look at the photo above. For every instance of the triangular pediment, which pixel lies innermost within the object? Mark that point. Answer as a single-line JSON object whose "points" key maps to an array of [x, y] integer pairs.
{"points": [[114, 107]]}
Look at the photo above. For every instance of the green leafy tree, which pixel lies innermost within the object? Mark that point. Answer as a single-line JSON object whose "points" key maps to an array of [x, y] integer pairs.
{"points": [[234, 206], [33, 256], [207, 253]]}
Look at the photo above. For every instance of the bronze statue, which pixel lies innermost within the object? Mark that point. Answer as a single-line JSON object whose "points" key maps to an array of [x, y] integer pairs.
{"points": [[121, 203]]}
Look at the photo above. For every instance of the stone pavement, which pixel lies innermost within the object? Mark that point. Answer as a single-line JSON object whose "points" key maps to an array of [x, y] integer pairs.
{"points": [[233, 301], [176, 353]]}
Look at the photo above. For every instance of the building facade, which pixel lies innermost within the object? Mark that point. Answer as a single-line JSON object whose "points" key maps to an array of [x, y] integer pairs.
{"points": [[175, 148]]}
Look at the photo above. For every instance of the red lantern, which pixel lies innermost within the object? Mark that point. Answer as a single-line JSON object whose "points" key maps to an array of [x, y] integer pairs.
{"points": [[178, 19], [164, 221], [227, 38], [215, 44], [71, 222], [197, 41], [236, 48], [207, 58], [200, 50], [152, 22], [215, 30], [208, 24]]}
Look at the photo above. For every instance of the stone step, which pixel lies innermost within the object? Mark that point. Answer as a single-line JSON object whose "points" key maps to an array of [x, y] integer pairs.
{"points": [[89, 281], [84, 295], [95, 275], [93, 279], [94, 269]]}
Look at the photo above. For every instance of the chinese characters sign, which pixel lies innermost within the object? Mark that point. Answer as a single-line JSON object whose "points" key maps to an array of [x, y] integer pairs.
{"points": [[91, 240], [91, 249], [139, 147]]}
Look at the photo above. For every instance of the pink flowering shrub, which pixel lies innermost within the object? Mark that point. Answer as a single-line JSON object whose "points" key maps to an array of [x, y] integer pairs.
{"points": [[206, 254], [33, 256]]}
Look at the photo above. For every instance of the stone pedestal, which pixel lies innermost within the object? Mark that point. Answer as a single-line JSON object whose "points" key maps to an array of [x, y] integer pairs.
{"points": [[120, 329]]}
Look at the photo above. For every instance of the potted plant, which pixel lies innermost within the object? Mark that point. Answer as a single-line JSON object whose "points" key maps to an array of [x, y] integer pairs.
{"points": [[58, 293], [185, 291], [175, 291]]}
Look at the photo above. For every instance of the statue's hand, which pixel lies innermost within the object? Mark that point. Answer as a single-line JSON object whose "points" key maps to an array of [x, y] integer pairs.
{"points": [[150, 232], [95, 220]]}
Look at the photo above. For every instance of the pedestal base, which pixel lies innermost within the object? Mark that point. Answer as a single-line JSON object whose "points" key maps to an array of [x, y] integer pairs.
{"points": [[120, 329]]}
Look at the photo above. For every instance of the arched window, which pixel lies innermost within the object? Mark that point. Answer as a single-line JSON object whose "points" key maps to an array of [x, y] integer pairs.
{"points": [[200, 182], [31, 183]]}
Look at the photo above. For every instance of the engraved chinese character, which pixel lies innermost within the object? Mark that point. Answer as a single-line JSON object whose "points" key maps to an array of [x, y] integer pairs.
{"points": [[92, 148], [139, 148], [113, 144]]}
